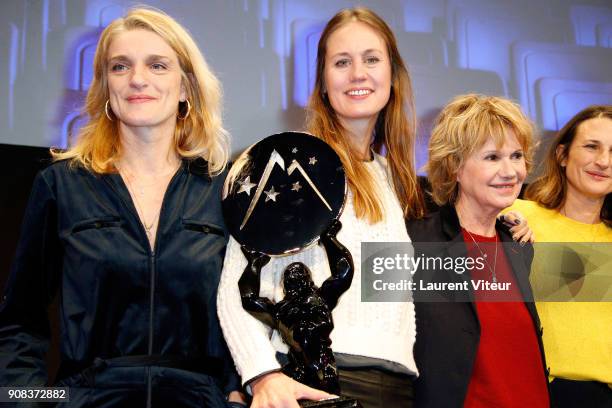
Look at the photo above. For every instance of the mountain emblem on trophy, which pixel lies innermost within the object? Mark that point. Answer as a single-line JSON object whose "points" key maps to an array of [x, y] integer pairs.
{"points": [[277, 160], [289, 187]]}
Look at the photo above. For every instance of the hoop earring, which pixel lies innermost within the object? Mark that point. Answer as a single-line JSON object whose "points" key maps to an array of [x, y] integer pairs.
{"points": [[106, 111], [186, 114]]}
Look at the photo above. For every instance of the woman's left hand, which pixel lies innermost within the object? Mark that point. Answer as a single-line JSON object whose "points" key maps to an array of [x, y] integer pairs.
{"points": [[519, 227]]}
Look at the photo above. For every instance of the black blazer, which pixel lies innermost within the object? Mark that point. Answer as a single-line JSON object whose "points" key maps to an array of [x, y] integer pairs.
{"points": [[448, 332]]}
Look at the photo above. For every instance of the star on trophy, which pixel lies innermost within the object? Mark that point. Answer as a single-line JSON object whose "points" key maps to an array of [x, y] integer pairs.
{"points": [[286, 195]]}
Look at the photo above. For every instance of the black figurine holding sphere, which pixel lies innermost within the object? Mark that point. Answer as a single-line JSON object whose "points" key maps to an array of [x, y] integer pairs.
{"points": [[282, 196], [304, 316]]}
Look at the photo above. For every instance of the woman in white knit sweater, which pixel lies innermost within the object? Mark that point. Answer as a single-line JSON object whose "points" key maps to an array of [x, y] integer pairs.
{"points": [[362, 106]]}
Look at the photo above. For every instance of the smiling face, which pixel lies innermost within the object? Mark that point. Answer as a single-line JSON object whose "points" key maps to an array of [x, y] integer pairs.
{"points": [[144, 79], [491, 178], [357, 73], [588, 165]]}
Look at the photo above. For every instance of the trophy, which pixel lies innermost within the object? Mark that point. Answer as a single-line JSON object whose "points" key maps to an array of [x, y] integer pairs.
{"points": [[286, 195]]}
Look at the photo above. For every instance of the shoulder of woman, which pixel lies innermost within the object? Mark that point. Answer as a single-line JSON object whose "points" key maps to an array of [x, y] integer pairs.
{"points": [[62, 170], [380, 158], [423, 229], [199, 167], [526, 207]]}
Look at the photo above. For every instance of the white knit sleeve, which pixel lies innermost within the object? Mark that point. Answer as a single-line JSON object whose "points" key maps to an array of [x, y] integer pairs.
{"points": [[248, 339]]}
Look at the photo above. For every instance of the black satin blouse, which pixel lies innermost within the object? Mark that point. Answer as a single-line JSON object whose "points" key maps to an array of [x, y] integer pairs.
{"points": [[118, 298]]}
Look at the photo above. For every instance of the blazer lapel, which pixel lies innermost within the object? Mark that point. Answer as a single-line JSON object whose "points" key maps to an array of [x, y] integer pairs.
{"points": [[456, 247], [516, 256]]}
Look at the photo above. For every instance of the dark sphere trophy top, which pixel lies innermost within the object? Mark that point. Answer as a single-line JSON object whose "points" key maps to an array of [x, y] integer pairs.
{"points": [[288, 194]]}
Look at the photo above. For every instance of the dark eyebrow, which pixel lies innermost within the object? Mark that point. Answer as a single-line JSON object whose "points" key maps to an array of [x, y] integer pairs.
{"points": [[592, 141]]}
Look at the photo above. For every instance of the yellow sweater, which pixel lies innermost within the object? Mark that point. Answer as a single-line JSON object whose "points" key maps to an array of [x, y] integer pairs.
{"points": [[577, 335]]}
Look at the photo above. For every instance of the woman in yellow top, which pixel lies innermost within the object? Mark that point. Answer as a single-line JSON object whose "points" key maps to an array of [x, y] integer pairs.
{"points": [[571, 202]]}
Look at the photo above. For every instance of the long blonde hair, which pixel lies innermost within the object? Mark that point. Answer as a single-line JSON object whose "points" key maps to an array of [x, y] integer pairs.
{"points": [[201, 134], [395, 128]]}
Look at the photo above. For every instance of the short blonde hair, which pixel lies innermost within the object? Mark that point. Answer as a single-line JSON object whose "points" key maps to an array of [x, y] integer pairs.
{"points": [[201, 134], [464, 126]]}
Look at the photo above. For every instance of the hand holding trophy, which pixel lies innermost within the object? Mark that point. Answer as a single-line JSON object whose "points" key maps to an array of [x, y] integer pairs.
{"points": [[301, 206]]}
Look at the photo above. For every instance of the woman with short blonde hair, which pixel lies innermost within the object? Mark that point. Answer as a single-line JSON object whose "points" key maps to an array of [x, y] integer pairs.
{"points": [[464, 125], [486, 332]]}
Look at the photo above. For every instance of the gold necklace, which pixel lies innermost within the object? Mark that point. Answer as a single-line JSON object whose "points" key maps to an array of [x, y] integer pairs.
{"points": [[127, 176], [492, 270], [148, 227]]}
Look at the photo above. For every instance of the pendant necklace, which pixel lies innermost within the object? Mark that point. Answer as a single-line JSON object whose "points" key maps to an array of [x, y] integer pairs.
{"points": [[484, 255], [147, 226]]}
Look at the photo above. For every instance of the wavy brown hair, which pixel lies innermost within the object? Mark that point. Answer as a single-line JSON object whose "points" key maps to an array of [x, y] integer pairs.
{"points": [[201, 134], [550, 188], [395, 128]]}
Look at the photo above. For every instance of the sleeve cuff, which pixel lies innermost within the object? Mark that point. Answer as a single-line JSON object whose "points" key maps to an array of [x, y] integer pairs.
{"points": [[247, 384]]}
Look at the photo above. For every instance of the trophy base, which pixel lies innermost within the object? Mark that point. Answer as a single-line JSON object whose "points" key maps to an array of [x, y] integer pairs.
{"points": [[340, 402]]}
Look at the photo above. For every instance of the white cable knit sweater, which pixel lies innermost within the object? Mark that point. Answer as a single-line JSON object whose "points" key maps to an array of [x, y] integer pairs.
{"points": [[378, 330]]}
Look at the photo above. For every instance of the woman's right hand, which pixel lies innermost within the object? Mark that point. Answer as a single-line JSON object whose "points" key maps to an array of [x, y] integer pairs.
{"points": [[276, 390]]}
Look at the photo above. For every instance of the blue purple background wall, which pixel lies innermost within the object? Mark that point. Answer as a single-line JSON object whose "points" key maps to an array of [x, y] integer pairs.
{"points": [[553, 56]]}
